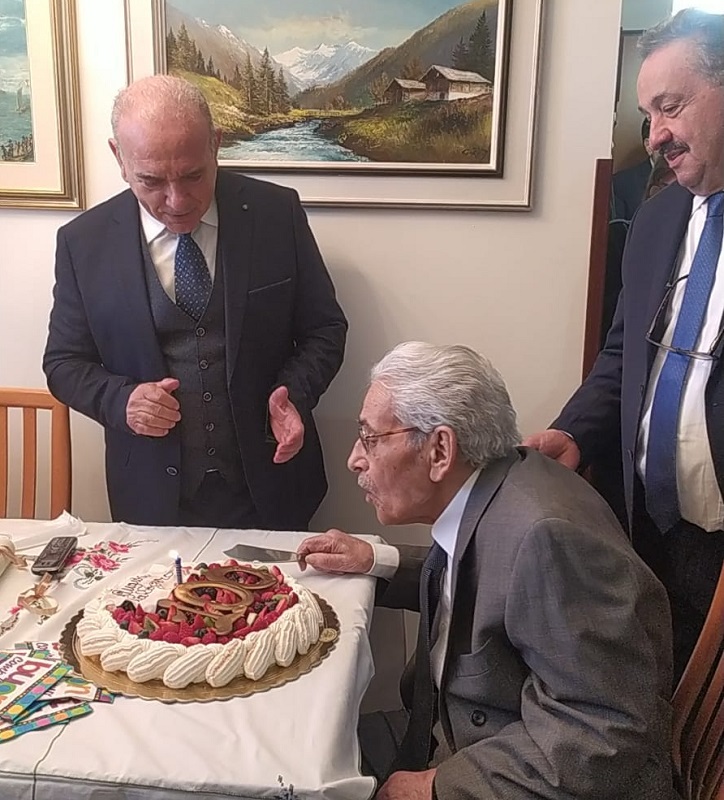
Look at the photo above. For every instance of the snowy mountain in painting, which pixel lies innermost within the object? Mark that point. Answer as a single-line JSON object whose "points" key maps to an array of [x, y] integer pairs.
{"points": [[325, 64], [217, 41]]}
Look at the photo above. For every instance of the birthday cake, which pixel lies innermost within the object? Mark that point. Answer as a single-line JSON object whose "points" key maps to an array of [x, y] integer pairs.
{"points": [[225, 621]]}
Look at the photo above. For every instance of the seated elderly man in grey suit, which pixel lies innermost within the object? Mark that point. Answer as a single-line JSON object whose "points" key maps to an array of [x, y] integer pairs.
{"points": [[543, 660]]}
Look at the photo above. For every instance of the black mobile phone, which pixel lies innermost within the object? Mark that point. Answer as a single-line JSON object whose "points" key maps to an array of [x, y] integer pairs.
{"points": [[54, 555]]}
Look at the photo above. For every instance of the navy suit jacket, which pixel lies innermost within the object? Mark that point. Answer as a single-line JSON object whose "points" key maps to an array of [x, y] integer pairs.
{"points": [[283, 327], [608, 403]]}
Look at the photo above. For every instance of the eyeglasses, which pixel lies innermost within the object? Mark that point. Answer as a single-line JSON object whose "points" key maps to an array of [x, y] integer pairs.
{"points": [[655, 331], [367, 440]]}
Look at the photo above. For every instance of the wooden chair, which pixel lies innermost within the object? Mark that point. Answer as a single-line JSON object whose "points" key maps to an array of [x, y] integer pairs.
{"points": [[31, 401], [698, 702]]}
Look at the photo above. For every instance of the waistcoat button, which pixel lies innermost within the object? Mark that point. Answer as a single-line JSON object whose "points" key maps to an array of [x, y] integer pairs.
{"points": [[478, 718]]}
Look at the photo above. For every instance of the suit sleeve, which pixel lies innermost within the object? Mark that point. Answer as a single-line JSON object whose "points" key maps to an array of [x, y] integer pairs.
{"points": [[590, 624], [320, 327], [593, 414], [72, 363], [403, 591]]}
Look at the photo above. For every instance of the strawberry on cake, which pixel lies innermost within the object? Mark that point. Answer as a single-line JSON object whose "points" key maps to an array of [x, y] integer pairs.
{"points": [[226, 621]]}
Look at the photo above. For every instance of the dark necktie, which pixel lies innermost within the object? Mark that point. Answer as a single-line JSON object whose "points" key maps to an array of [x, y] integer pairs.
{"points": [[191, 277], [415, 747], [662, 500]]}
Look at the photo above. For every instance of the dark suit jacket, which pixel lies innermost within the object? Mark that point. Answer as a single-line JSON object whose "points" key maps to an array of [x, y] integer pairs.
{"points": [[628, 186], [558, 666], [608, 403], [283, 327]]}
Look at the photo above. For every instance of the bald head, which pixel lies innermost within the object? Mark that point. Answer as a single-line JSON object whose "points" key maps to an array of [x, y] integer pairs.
{"points": [[161, 101], [165, 144]]}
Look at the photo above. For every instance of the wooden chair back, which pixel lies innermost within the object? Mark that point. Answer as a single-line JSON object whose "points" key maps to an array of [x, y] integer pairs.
{"points": [[698, 702], [31, 401]]}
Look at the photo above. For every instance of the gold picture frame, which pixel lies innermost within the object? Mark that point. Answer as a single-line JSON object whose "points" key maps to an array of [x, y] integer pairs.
{"points": [[47, 172], [386, 186]]}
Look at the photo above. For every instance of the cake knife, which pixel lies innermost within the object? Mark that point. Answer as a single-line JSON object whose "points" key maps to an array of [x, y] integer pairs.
{"points": [[250, 552]]}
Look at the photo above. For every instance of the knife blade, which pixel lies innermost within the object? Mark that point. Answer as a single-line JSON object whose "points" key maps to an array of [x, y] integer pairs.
{"points": [[250, 552]]}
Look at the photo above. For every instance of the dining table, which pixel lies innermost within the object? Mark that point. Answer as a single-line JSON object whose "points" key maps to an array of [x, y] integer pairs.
{"points": [[296, 740]]}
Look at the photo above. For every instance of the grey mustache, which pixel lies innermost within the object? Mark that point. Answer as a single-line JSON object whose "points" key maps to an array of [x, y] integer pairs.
{"points": [[669, 146]]}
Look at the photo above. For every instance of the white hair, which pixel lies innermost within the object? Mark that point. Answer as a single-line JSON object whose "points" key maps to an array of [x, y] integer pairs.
{"points": [[450, 385], [162, 100]]}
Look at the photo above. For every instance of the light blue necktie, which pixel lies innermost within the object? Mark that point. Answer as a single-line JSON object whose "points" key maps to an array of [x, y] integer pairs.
{"points": [[191, 276], [662, 499]]}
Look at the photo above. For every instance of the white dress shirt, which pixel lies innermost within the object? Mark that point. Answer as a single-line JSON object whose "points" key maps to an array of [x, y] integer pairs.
{"points": [[162, 245], [445, 533], [700, 500]]}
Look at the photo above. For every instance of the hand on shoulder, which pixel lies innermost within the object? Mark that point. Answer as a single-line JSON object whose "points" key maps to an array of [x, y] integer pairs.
{"points": [[556, 445]]}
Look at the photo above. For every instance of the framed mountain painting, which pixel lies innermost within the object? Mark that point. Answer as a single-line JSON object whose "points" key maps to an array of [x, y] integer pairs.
{"points": [[390, 97]]}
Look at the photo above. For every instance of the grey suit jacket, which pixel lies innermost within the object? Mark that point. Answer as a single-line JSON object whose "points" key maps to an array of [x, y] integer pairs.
{"points": [[558, 667]]}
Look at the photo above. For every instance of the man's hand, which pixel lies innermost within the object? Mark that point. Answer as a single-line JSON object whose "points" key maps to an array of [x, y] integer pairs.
{"points": [[556, 445], [407, 786], [286, 425], [151, 409], [336, 552]]}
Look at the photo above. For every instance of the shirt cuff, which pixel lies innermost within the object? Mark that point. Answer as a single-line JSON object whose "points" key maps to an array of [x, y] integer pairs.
{"points": [[386, 561]]}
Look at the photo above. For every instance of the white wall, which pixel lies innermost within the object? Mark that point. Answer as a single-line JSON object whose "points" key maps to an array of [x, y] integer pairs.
{"points": [[511, 284]]}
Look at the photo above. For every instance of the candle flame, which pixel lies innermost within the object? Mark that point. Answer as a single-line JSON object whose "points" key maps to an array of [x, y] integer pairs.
{"points": [[173, 554]]}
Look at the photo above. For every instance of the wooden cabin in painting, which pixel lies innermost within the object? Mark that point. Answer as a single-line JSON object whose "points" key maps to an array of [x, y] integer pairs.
{"points": [[404, 91], [445, 83]]}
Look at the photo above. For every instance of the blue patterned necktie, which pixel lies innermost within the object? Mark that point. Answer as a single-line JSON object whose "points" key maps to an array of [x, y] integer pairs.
{"points": [[191, 276], [415, 747], [662, 499]]}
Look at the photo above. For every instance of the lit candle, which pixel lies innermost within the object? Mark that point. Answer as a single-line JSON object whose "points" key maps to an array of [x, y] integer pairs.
{"points": [[177, 563]]}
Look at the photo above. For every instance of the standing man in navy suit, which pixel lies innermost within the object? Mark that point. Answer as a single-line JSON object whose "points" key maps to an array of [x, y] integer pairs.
{"points": [[195, 320], [659, 383]]}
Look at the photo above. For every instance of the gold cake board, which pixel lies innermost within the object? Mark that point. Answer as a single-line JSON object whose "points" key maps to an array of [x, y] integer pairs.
{"points": [[119, 682]]}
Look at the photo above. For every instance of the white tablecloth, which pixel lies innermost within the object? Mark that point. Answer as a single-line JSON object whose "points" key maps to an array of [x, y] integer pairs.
{"points": [[304, 731]]}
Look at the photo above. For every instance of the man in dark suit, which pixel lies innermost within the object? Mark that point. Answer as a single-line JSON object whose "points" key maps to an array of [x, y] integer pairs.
{"points": [[628, 186], [658, 383], [543, 662], [195, 320]]}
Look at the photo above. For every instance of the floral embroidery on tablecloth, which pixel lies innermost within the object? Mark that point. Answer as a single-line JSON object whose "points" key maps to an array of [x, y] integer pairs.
{"points": [[91, 564]]}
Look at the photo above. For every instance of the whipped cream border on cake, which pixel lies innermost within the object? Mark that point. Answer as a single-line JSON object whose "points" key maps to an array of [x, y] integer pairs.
{"points": [[295, 631]]}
